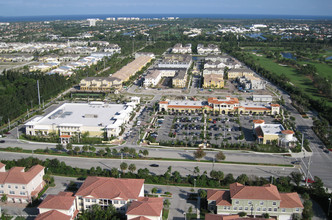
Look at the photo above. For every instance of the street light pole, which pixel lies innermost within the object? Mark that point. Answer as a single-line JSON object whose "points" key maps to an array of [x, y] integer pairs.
{"points": [[184, 213], [328, 211]]}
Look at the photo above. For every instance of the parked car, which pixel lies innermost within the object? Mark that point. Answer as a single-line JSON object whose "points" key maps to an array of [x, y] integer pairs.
{"points": [[309, 180], [2, 141], [154, 165]]}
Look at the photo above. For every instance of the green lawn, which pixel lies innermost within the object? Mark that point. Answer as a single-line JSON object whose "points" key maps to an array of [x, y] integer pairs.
{"points": [[295, 78], [323, 69]]}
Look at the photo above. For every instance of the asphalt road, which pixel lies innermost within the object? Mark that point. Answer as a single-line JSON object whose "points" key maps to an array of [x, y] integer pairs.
{"points": [[183, 167], [235, 156]]}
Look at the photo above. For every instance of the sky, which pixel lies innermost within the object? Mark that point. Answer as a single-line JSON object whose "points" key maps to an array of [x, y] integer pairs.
{"points": [[113, 7]]}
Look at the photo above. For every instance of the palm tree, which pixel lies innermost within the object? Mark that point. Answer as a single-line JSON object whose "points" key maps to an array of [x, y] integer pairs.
{"points": [[123, 166], [132, 167]]}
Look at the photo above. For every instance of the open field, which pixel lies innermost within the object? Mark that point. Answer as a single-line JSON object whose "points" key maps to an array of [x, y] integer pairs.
{"points": [[295, 78]]}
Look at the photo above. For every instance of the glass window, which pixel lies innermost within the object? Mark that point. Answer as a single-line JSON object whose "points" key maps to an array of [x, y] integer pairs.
{"points": [[274, 203], [123, 202], [234, 208], [23, 187], [9, 186], [249, 202], [11, 192], [258, 209], [116, 202], [87, 200], [22, 193], [1, 185], [297, 209], [261, 203], [283, 210], [240, 208], [245, 208], [94, 200], [275, 209], [270, 209], [1, 191], [237, 202], [16, 187], [264, 209]]}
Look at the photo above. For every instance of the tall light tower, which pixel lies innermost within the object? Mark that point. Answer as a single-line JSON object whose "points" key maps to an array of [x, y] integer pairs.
{"points": [[38, 93]]}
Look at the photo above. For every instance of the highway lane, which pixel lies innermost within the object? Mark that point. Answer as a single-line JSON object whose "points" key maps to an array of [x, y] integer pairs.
{"points": [[235, 156], [183, 167]]}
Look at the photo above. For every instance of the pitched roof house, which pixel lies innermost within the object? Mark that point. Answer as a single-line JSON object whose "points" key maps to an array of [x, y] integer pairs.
{"points": [[21, 186], [106, 191], [254, 200], [63, 203], [150, 208]]}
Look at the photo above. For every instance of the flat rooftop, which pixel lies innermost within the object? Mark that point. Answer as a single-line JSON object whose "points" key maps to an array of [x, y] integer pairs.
{"points": [[186, 103], [272, 129], [81, 114]]}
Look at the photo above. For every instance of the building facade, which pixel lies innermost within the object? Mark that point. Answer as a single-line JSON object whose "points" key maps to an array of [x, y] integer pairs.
{"points": [[221, 106], [255, 201], [21, 186], [105, 191]]}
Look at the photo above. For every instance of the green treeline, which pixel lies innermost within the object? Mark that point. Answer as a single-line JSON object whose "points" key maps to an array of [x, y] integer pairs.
{"points": [[18, 91]]}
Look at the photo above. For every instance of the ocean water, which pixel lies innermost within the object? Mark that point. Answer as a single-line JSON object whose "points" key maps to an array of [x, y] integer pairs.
{"points": [[212, 16]]}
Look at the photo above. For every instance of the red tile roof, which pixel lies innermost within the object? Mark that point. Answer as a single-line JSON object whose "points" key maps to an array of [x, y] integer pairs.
{"points": [[17, 175], [140, 218], [65, 136], [275, 105], [223, 101], [209, 216], [220, 196], [266, 192], [290, 200], [146, 207], [258, 121], [111, 188], [2, 165], [63, 201], [163, 102], [53, 215], [287, 132]]}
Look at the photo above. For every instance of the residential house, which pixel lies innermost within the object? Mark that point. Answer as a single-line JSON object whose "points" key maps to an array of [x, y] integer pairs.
{"points": [[147, 207], [254, 200], [19, 185], [105, 191], [61, 206]]}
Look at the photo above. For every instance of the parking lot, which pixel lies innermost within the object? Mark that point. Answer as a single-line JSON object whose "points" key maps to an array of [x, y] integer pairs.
{"points": [[192, 129]]}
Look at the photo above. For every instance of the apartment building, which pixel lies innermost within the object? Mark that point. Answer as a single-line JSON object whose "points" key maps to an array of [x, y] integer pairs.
{"points": [[210, 49], [255, 201], [216, 71], [262, 98], [19, 185], [155, 75], [251, 83], [175, 61], [61, 206], [214, 81], [105, 191], [147, 208], [179, 48], [180, 79], [100, 83], [235, 73]]}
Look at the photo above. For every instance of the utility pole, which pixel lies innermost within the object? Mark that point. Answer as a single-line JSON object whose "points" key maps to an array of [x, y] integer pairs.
{"points": [[307, 174], [38, 93], [8, 124]]}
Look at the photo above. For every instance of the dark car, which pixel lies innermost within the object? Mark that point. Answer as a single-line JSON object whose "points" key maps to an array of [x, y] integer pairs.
{"points": [[154, 165], [296, 162], [2, 141]]}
